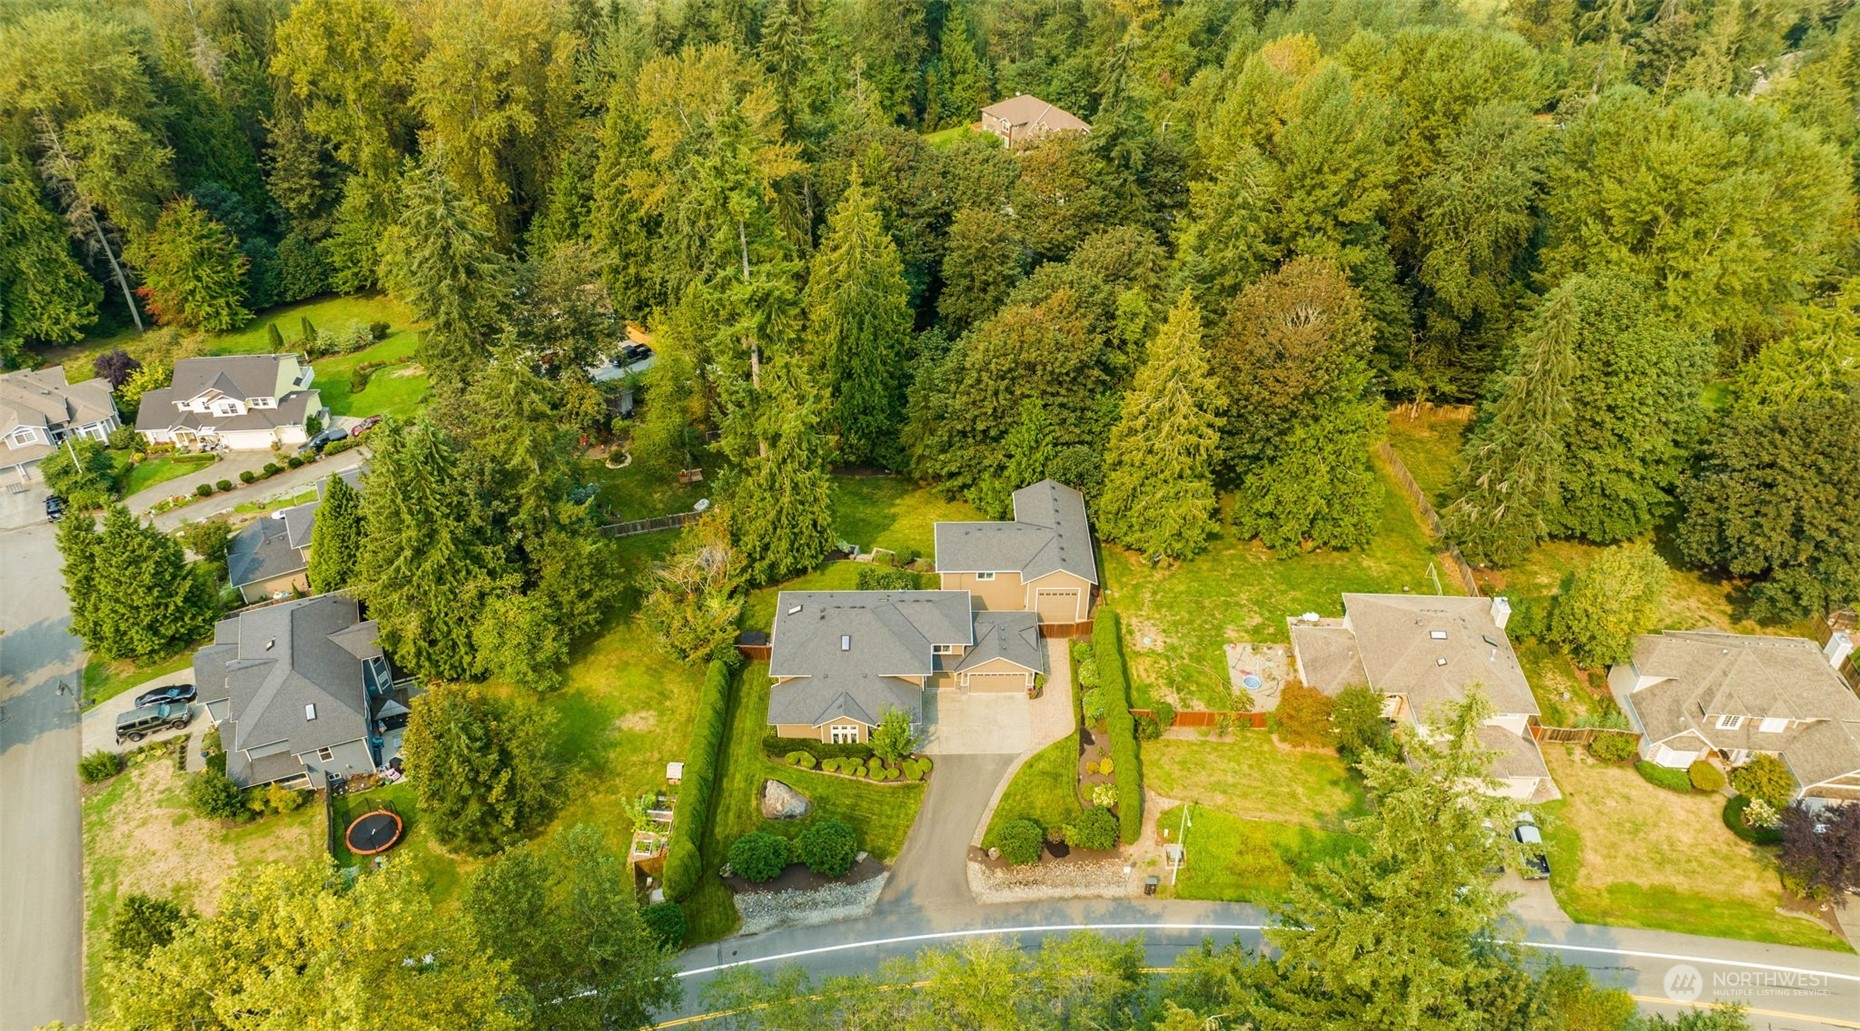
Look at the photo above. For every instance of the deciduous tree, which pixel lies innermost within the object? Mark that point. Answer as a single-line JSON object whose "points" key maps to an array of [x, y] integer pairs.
{"points": [[1608, 603]]}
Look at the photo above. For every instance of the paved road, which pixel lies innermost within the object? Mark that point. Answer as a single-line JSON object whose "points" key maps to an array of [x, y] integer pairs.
{"points": [[41, 844], [283, 485]]}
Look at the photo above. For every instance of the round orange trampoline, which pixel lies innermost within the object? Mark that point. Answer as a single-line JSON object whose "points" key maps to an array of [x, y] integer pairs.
{"points": [[374, 832]]}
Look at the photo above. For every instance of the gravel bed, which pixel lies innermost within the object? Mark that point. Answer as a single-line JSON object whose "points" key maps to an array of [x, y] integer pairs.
{"points": [[768, 910], [1070, 879]]}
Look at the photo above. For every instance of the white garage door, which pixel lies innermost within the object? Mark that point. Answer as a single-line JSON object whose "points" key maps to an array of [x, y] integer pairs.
{"points": [[1057, 606], [997, 682]]}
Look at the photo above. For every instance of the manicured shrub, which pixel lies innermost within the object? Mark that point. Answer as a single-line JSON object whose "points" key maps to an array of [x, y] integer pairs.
{"points": [[1095, 831], [1104, 796], [342, 445], [100, 766], [759, 857], [1086, 675], [294, 462], [1766, 779], [683, 862], [1662, 777], [830, 766], [273, 468], [881, 578], [828, 848], [794, 758], [1612, 748], [1304, 717], [247, 476], [776, 747], [204, 490], [1705, 776], [1108, 652], [912, 771], [378, 331], [923, 763], [1021, 842], [665, 921], [223, 486], [1734, 818], [215, 796], [1092, 702]]}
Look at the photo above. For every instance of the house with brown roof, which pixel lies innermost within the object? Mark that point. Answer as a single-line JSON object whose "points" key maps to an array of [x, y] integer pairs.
{"points": [[246, 402], [39, 409], [1042, 561], [1023, 118], [1421, 652], [1700, 694]]}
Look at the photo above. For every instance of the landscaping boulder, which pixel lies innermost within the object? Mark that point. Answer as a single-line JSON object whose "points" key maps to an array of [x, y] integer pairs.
{"points": [[781, 802]]}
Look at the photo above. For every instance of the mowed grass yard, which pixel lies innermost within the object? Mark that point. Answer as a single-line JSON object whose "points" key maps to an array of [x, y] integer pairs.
{"points": [[1044, 790], [140, 836], [327, 314], [1261, 813], [1178, 617], [1627, 853], [106, 678], [880, 814]]}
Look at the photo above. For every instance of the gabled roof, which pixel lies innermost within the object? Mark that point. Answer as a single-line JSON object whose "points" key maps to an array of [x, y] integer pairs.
{"points": [[1433, 649], [274, 663], [271, 546], [41, 398], [158, 412], [1013, 636], [235, 375], [1027, 109], [847, 649], [1328, 658], [1050, 532]]}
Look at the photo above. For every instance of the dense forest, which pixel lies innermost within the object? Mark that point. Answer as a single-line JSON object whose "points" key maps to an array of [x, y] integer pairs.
{"points": [[1622, 229]]}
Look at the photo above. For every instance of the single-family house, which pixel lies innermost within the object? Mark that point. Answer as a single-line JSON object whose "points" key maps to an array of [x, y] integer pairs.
{"points": [[841, 659], [1421, 651], [38, 410], [270, 556], [1023, 118], [1041, 562], [246, 402], [301, 692], [1700, 693]]}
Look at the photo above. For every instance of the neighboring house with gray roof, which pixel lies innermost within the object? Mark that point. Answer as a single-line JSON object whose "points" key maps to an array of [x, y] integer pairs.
{"points": [[301, 692], [1424, 651], [270, 556], [1023, 118], [1698, 693], [244, 402], [38, 410], [1041, 562], [841, 659]]}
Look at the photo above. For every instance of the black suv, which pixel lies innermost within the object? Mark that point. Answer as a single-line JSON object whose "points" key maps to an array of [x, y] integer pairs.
{"points": [[137, 724], [171, 693], [54, 508]]}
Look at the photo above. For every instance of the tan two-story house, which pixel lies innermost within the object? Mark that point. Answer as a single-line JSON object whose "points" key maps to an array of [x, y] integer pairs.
{"points": [[1700, 694], [39, 410], [1041, 562], [1023, 119], [245, 402]]}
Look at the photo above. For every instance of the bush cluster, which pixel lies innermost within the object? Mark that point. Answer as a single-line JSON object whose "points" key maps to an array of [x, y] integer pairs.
{"points": [[1095, 831], [683, 862], [759, 857], [776, 747], [804, 760], [881, 578], [1661, 777], [876, 768], [1612, 748], [247, 476], [1021, 842], [1734, 819], [1304, 717], [1147, 727], [1092, 704], [345, 444], [1108, 654], [1765, 778], [204, 490], [214, 795], [223, 486], [665, 921], [1705, 776], [100, 766], [828, 847]]}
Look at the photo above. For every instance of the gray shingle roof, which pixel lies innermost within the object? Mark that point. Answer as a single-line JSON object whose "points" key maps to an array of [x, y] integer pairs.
{"points": [[1513, 755], [272, 546], [1401, 654], [1328, 657], [1050, 532], [159, 413], [42, 399], [847, 648], [1014, 636]]}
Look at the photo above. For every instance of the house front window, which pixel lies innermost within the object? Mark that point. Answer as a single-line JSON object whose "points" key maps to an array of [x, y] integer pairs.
{"points": [[1730, 722], [843, 734], [984, 576], [943, 649]]}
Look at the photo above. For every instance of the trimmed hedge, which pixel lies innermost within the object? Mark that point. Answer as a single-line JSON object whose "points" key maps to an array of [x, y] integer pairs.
{"points": [[828, 847], [779, 748], [1108, 655], [1021, 842], [684, 862], [100, 766], [758, 856], [1661, 777]]}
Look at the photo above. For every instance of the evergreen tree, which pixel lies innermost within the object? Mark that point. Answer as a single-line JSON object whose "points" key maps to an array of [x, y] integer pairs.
{"points": [[44, 294], [481, 761], [1158, 479], [336, 538], [860, 324], [438, 257], [981, 265], [618, 223], [133, 592], [274, 338], [426, 567], [1031, 447], [962, 87], [193, 273], [780, 501]]}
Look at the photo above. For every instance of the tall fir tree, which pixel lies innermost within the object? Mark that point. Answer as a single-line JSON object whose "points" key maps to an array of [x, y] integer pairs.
{"points": [[981, 264], [961, 78], [859, 306], [133, 592], [438, 256], [780, 500], [1159, 468], [336, 537], [193, 273], [44, 294]]}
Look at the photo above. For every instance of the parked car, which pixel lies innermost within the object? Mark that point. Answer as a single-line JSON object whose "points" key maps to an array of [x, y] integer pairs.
{"points": [[139, 723], [54, 508], [179, 693], [1533, 863], [630, 353], [326, 438], [365, 425]]}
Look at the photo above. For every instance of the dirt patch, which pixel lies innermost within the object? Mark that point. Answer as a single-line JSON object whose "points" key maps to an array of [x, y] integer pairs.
{"points": [[1261, 670], [1144, 636], [638, 722], [415, 369]]}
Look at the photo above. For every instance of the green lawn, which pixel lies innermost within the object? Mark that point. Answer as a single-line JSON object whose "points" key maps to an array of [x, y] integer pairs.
{"points": [[398, 388], [1044, 790], [1627, 853], [892, 512], [106, 678], [1428, 443], [1239, 860], [947, 137], [881, 814], [162, 468], [641, 490], [441, 872], [1177, 617]]}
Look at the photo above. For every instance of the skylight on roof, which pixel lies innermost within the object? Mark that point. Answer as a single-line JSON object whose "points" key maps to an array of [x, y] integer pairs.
{"points": [[310, 710], [845, 642]]}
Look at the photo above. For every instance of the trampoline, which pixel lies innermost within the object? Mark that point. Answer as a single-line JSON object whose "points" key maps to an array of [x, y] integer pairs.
{"points": [[373, 832]]}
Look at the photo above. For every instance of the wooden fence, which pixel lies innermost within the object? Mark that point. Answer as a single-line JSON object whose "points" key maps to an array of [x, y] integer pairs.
{"points": [[1199, 718], [1575, 735], [653, 525], [1455, 562]]}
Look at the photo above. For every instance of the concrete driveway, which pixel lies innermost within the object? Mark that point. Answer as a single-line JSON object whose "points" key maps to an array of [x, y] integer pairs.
{"points": [[99, 727], [22, 505], [960, 723]]}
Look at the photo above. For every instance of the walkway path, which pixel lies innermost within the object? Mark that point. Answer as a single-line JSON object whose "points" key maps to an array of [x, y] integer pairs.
{"points": [[283, 485]]}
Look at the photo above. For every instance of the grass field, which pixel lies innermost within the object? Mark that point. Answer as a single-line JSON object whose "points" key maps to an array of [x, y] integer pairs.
{"points": [[161, 469], [1238, 860], [882, 815], [442, 873], [1044, 790], [892, 512], [1428, 443], [1177, 617], [1627, 853], [139, 836], [641, 491], [106, 678], [948, 137], [397, 389]]}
